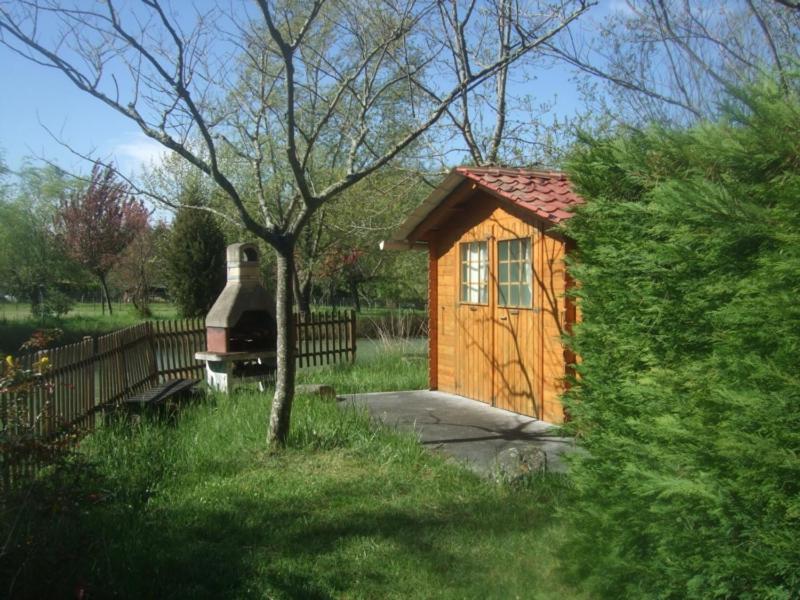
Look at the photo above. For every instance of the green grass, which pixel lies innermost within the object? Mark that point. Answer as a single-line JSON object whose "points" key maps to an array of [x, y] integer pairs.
{"points": [[195, 508], [17, 324]]}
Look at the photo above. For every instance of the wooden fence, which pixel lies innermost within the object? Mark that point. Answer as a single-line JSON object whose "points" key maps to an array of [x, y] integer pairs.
{"points": [[87, 378], [325, 337]]}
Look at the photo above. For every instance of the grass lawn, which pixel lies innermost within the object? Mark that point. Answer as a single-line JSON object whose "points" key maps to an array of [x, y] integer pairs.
{"points": [[17, 324], [198, 509]]}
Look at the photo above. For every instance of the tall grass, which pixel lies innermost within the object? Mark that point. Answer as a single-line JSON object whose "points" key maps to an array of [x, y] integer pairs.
{"points": [[393, 325], [388, 365], [196, 507]]}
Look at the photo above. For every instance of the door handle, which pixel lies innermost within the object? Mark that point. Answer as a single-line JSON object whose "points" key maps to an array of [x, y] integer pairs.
{"points": [[504, 318]]}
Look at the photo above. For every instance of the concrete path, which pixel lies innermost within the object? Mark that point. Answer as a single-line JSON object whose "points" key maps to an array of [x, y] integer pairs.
{"points": [[470, 431]]}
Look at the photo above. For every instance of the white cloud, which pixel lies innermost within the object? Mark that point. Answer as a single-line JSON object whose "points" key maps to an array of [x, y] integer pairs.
{"points": [[137, 150]]}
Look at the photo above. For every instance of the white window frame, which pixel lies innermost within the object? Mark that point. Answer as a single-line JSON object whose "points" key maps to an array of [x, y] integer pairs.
{"points": [[473, 269]]}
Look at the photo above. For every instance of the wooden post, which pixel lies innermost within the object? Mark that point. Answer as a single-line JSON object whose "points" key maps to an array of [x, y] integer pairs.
{"points": [[313, 335], [352, 340], [300, 339], [90, 345], [328, 318]]}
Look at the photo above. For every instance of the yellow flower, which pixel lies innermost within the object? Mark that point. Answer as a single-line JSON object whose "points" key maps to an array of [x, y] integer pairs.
{"points": [[44, 361], [10, 360]]}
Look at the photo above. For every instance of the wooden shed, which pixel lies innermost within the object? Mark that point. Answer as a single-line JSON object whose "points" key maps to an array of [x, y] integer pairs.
{"points": [[497, 283]]}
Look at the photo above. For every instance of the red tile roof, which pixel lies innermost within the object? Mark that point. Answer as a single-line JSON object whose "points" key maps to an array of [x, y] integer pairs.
{"points": [[546, 193]]}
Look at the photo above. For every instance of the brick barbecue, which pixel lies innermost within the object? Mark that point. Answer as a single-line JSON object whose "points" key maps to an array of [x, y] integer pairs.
{"points": [[241, 330]]}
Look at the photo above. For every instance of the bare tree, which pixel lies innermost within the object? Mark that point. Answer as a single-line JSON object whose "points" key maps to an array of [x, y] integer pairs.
{"points": [[497, 122], [677, 60], [303, 100]]}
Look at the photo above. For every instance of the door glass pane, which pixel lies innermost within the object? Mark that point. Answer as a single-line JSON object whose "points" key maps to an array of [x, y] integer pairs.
{"points": [[502, 272], [474, 272], [502, 248], [514, 272], [525, 295]]}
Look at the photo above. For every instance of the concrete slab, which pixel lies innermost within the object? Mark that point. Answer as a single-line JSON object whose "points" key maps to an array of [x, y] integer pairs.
{"points": [[471, 432]]}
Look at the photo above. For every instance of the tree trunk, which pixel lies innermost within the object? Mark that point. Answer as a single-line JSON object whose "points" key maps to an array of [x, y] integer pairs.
{"points": [[304, 304], [281, 413], [37, 301], [141, 295], [302, 292], [353, 285], [105, 293]]}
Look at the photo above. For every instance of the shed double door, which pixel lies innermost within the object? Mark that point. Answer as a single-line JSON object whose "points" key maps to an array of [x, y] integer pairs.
{"points": [[497, 353]]}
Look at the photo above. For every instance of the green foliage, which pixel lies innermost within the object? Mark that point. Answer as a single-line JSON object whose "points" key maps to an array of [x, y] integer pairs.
{"points": [[688, 400], [194, 256], [350, 265], [33, 264], [18, 435], [53, 304]]}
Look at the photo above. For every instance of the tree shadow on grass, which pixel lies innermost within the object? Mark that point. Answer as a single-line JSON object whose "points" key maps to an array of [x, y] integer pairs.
{"points": [[287, 551], [336, 538]]}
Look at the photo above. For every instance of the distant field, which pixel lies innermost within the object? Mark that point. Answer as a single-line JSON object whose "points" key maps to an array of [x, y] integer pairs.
{"points": [[17, 324], [15, 311]]}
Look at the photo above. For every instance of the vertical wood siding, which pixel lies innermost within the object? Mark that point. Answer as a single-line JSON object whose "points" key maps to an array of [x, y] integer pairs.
{"points": [[512, 358]]}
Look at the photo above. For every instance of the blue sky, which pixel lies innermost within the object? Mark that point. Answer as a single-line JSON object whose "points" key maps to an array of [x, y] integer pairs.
{"points": [[35, 97]]}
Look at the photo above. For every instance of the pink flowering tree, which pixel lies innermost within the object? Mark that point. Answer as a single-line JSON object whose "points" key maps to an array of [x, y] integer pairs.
{"points": [[96, 225]]}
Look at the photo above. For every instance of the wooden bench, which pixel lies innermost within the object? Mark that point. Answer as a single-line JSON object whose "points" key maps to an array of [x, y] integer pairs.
{"points": [[157, 396]]}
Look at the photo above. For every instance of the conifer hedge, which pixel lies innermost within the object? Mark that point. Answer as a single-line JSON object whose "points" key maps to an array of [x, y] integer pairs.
{"points": [[688, 400]]}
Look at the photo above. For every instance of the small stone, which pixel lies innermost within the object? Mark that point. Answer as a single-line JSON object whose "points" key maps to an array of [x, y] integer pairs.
{"points": [[316, 389], [515, 464]]}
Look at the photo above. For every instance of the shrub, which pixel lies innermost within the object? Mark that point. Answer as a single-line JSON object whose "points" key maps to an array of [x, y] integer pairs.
{"points": [[195, 256], [688, 399], [50, 302]]}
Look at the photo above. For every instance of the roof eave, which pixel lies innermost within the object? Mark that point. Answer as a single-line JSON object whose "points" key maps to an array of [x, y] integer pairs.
{"points": [[419, 214]]}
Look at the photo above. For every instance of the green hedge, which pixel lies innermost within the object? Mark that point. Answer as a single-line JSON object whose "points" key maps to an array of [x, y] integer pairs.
{"points": [[688, 400]]}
